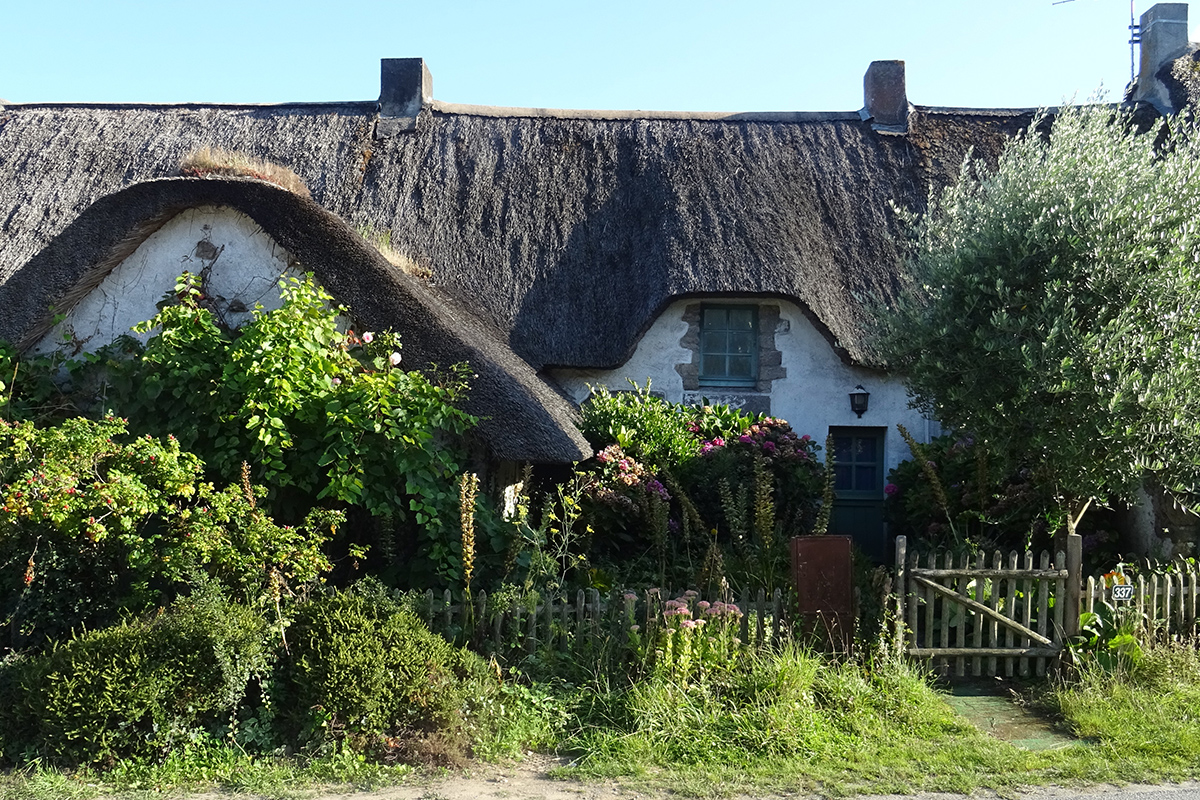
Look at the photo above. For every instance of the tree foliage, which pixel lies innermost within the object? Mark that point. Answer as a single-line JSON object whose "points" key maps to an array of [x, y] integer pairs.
{"points": [[1053, 309]]}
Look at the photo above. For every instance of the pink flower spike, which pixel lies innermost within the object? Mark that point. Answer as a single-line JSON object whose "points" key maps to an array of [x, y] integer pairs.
{"points": [[368, 337], [394, 358]]}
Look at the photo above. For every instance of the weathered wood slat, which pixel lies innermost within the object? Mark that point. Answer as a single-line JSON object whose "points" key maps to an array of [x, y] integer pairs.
{"points": [[960, 662], [1011, 609], [777, 617], [1027, 607], [994, 603], [901, 590], [982, 609], [1060, 600], [760, 627], [1043, 612], [934, 652], [931, 596], [977, 662], [971, 572], [930, 599]]}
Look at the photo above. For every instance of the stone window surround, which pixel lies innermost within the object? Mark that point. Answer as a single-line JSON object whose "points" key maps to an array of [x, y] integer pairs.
{"points": [[770, 360]]}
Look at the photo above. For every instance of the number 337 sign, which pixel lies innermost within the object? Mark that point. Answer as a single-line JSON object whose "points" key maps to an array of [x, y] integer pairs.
{"points": [[1121, 592]]}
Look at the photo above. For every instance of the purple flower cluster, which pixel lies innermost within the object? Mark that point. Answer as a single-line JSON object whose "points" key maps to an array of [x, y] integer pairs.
{"points": [[773, 437]]}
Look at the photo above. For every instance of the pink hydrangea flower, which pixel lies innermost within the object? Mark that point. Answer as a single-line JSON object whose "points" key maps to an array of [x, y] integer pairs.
{"points": [[337, 381]]}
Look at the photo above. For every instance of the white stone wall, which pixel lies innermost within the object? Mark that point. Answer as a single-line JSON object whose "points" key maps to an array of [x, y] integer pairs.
{"points": [[813, 397], [241, 266]]}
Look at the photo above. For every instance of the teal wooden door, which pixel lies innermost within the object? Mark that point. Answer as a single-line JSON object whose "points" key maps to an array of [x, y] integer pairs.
{"points": [[858, 485]]}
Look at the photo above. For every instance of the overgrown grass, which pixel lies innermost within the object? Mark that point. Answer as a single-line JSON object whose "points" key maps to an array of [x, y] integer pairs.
{"points": [[795, 722], [204, 768], [1145, 716], [382, 241], [788, 722], [216, 161]]}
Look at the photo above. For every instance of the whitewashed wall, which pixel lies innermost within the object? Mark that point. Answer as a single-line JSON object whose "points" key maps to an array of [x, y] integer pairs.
{"points": [[813, 397], [241, 265]]}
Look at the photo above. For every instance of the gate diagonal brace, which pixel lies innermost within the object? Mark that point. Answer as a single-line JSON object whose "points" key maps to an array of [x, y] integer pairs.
{"points": [[982, 609]]}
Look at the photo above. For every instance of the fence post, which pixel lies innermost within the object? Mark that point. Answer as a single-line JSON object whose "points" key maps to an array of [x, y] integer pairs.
{"points": [[901, 588], [1074, 584]]}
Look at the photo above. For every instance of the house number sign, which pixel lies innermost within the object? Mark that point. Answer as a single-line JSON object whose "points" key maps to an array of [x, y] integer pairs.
{"points": [[1122, 591]]}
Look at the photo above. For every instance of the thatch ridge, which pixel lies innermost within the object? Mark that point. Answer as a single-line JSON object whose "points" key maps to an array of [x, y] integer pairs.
{"points": [[566, 234], [522, 418]]}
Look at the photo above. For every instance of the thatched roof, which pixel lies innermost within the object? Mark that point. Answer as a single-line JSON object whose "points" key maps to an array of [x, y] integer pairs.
{"points": [[522, 418], [1182, 79], [567, 233]]}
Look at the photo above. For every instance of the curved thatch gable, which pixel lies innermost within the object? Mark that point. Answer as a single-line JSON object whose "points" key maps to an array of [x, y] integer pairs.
{"points": [[521, 417], [568, 234]]}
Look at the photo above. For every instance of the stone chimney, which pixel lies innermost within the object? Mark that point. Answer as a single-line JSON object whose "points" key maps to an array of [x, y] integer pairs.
{"points": [[405, 87], [1163, 34], [885, 98]]}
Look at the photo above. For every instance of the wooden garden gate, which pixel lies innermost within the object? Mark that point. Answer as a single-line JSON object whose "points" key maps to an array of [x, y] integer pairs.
{"points": [[1007, 618]]}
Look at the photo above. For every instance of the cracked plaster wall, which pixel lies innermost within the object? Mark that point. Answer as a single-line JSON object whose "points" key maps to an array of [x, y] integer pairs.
{"points": [[240, 266]]}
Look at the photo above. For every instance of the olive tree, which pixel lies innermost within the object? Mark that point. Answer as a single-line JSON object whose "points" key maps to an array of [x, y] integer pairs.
{"points": [[1051, 305]]}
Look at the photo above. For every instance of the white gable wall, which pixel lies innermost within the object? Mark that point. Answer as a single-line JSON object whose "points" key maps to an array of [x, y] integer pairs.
{"points": [[813, 396], [241, 266]]}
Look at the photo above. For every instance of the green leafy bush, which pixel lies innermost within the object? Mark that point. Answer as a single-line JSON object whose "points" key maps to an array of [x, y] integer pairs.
{"points": [[646, 427], [683, 487], [951, 493], [93, 524], [366, 669], [138, 688], [322, 416], [82, 523]]}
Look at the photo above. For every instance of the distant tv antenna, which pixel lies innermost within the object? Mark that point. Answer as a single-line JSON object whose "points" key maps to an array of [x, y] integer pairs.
{"points": [[1135, 33]]}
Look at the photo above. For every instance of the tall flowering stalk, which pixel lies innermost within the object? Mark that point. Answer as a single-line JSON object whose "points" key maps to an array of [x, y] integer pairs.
{"points": [[468, 489], [821, 526], [764, 520], [928, 468]]}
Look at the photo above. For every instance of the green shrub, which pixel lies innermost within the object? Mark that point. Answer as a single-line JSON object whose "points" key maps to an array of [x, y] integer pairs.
{"points": [[366, 669], [136, 689], [82, 532], [93, 525]]}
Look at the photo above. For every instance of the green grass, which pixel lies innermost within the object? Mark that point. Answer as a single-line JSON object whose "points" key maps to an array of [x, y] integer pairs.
{"points": [[789, 722], [213, 767], [795, 722]]}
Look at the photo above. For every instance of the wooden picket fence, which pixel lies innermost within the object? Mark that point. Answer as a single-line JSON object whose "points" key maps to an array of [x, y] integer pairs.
{"points": [[588, 621], [1160, 604], [1007, 615], [1013, 614]]}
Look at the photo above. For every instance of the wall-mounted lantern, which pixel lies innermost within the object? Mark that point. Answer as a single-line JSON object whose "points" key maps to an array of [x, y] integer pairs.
{"points": [[858, 400]]}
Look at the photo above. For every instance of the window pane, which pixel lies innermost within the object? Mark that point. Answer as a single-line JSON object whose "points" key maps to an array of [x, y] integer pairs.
{"points": [[713, 366], [739, 366], [741, 342], [713, 318], [841, 449], [713, 341], [864, 478], [742, 318], [842, 477], [866, 450]]}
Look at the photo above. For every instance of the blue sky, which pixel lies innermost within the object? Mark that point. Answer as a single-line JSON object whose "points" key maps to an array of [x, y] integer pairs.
{"points": [[620, 54]]}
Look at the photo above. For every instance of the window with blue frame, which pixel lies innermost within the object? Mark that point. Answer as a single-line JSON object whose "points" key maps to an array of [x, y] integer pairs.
{"points": [[728, 345]]}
